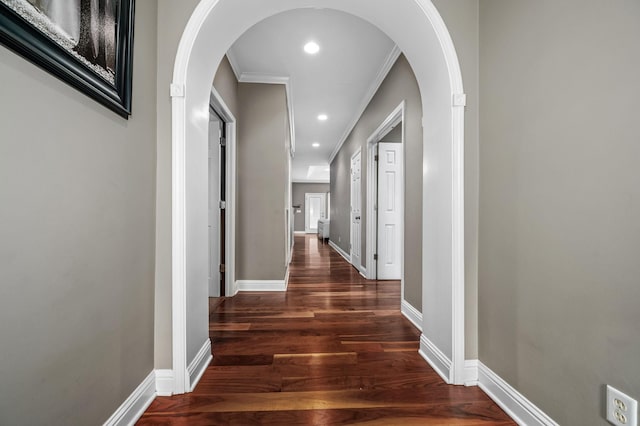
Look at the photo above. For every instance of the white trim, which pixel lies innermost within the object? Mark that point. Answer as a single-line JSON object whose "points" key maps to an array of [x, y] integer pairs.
{"points": [[233, 61], [164, 382], [412, 314], [436, 358], [516, 405], [298, 180], [286, 277], [199, 365], [300, 232], [220, 107], [256, 77], [187, 104], [471, 372], [262, 285], [388, 63], [176, 90], [341, 252], [457, 196], [136, 404], [396, 117], [179, 246], [253, 77]]}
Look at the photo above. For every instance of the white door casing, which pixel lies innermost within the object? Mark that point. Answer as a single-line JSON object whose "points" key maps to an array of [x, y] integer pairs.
{"points": [[419, 31], [390, 211], [214, 210], [356, 210], [394, 119], [314, 208]]}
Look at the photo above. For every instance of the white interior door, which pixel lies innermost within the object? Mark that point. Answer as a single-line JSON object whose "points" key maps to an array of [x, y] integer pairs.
{"points": [[215, 126], [356, 210], [390, 215], [313, 211]]}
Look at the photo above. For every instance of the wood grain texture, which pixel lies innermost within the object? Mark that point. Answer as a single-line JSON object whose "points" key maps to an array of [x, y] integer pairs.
{"points": [[334, 349]]}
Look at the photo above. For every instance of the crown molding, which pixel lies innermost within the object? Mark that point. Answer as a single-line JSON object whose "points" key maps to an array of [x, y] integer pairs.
{"points": [[391, 59], [233, 61]]}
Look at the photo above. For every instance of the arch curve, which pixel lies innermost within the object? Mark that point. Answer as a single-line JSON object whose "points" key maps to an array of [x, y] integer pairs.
{"points": [[419, 31]]}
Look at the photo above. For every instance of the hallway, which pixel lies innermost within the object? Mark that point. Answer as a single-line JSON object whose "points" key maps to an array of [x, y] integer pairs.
{"points": [[333, 349]]}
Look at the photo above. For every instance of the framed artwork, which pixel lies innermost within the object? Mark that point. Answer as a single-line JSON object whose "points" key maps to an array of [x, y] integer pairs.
{"points": [[86, 43]]}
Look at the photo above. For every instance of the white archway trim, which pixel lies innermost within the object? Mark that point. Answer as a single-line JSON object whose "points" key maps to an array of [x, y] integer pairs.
{"points": [[178, 243], [456, 372], [450, 188]]}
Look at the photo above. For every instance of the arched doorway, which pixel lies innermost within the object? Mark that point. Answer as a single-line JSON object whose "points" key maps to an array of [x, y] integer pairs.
{"points": [[417, 28]]}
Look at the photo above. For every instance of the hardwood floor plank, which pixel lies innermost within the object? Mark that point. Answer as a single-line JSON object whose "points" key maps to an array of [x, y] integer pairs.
{"points": [[344, 358], [334, 349]]}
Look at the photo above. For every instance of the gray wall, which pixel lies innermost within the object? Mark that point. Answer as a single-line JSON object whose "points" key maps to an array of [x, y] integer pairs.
{"points": [[394, 136], [226, 85], [400, 84], [77, 184], [298, 191], [261, 236], [560, 201]]}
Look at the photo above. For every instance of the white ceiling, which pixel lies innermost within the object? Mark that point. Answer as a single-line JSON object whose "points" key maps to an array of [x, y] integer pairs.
{"points": [[338, 81]]}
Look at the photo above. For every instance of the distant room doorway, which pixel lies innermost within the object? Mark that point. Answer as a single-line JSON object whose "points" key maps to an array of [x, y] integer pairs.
{"points": [[314, 208]]}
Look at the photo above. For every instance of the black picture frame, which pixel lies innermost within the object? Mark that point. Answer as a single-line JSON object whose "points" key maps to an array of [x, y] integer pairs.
{"points": [[25, 39]]}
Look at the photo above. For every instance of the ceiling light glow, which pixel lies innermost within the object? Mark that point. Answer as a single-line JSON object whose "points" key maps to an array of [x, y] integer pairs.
{"points": [[315, 145], [323, 117], [311, 48]]}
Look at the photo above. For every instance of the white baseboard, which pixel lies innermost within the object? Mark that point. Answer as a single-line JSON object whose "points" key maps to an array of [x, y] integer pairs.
{"points": [[519, 408], [300, 233], [436, 358], [135, 405], [235, 289], [255, 285], [412, 314], [470, 372], [164, 382], [198, 366], [286, 279], [341, 252]]}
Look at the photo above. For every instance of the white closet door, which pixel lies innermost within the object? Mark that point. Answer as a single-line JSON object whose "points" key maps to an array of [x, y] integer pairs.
{"points": [[356, 210], [390, 211]]}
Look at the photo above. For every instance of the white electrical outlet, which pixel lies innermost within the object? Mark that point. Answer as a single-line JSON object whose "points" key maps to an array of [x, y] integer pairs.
{"points": [[622, 410]]}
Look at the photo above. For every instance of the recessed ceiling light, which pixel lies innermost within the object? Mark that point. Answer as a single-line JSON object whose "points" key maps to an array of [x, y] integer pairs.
{"points": [[311, 48], [323, 117], [315, 145]]}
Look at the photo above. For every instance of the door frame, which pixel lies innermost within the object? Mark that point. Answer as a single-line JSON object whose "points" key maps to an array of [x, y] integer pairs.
{"points": [[428, 46], [397, 116], [220, 107], [306, 210], [215, 255]]}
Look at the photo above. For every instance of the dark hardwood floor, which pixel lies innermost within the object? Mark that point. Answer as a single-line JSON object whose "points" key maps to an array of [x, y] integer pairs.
{"points": [[334, 349]]}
